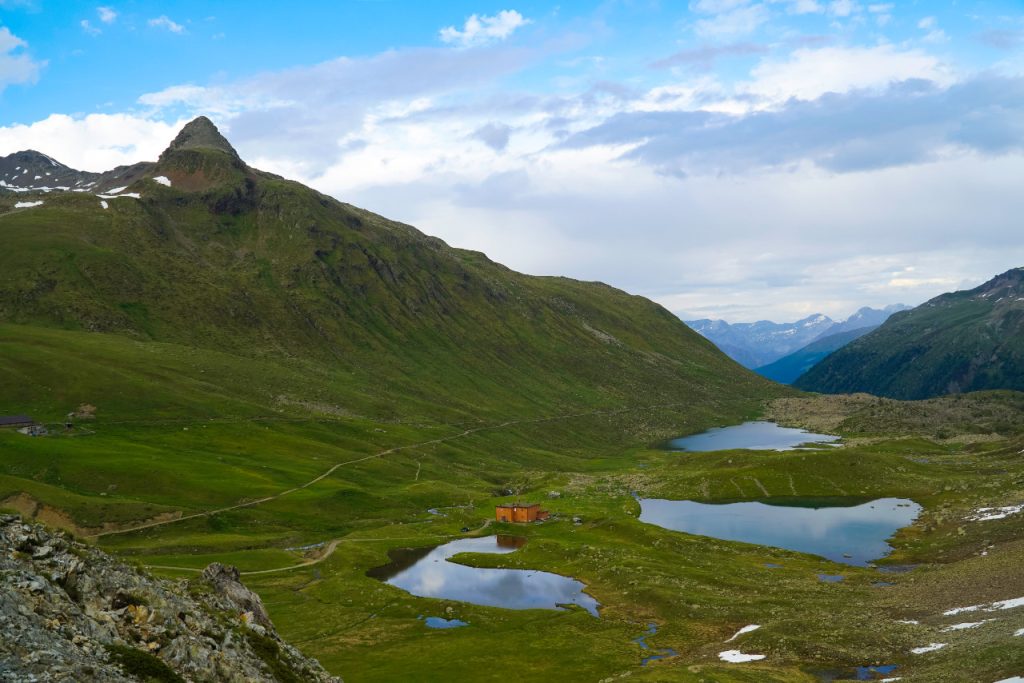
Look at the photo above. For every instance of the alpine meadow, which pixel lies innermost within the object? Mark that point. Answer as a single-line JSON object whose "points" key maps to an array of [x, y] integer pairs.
{"points": [[251, 431]]}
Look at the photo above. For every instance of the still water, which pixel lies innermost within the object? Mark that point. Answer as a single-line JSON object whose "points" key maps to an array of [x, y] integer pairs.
{"points": [[850, 534], [427, 573], [755, 436]]}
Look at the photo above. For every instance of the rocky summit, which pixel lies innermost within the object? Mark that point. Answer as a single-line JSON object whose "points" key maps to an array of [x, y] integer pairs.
{"points": [[70, 612]]}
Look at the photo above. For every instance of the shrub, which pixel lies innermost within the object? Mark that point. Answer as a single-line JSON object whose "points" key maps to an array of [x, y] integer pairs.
{"points": [[143, 665]]}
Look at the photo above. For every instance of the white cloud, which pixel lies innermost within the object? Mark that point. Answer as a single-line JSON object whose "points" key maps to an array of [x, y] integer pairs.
{"points": [[734, 23], [480, 30], [882, 13], [16, 66], [163, 21], [97, 142], [107, 14], [805, 7], [843, 8], [717, 6], [809, 73], [421, 145], [934, 33], [89, 28]]}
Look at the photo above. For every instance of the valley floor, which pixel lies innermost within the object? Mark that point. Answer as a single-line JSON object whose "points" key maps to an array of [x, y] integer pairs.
{"points": [[306, 507]]}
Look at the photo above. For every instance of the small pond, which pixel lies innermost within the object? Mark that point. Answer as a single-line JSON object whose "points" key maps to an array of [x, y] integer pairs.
{"points": [[850, 534], [441, 622], [428, 573], [755, 436]]}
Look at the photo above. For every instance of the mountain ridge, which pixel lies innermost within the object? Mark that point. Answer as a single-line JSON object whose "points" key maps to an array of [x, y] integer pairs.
{"points": [[200, 249], [960, 341], [760, 343]]}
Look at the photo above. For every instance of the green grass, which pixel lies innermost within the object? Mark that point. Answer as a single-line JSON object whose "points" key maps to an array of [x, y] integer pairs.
{"points": [[698, 590]]}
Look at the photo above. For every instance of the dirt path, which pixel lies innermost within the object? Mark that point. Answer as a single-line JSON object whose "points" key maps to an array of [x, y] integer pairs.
{"points": [[329, 549], [334, 468]]}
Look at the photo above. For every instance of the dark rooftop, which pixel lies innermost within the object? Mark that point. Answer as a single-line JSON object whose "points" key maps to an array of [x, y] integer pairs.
{"points": [[13, 420]]}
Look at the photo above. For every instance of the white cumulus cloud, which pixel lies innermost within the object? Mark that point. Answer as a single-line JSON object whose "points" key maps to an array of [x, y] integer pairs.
{"points": [[480, 30], [809, 73], [107, 14], [97, 142], [89, 28], [163, 21], [16, 66], [740, 21]]}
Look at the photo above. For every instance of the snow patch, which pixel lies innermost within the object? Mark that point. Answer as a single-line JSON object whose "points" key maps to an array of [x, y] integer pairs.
{"points": [[966, 625], [1015, 679], [737, 657], [745, 629], [988, 514], [27, 205], [117, 190], [928, 648], [163, 180], [1019, 632], [133, 195], [990, 607], [104, 204]]}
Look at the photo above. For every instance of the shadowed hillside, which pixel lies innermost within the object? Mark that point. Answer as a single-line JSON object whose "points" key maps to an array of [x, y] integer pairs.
{"points": [[962, 341]]}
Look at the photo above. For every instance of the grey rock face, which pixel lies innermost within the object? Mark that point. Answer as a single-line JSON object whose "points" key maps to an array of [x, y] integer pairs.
{"points": [[64, 605]]}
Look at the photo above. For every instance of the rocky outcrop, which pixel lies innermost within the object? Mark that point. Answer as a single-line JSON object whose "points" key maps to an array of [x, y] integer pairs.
{"points": [[70, 612]]}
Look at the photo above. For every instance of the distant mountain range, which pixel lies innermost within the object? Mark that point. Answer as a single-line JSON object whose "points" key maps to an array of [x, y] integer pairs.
{"points": [[32, 172], [962, 341], [788, 368], [755, 345]]}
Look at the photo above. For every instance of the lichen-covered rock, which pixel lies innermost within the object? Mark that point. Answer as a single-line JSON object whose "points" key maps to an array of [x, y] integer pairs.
{"points": [[70, 612], [226, 581]]}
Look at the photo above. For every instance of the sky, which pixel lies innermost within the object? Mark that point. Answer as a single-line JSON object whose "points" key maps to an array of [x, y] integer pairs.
{"points": [[735, 159]]}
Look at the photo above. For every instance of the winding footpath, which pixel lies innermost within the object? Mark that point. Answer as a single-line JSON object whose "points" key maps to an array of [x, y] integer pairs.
{"points": [[329, 549], [334, 468]]}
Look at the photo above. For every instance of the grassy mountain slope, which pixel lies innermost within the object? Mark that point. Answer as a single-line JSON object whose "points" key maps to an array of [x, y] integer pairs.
{"points": [[787, 369], [962, 341], [237, 261]]}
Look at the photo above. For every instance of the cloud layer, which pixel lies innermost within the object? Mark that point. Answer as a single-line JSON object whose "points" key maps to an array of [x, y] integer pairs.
{"points": [[750, 172]]}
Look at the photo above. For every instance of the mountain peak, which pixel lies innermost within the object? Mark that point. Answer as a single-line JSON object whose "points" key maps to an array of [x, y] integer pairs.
{"points": [[201, 133]]}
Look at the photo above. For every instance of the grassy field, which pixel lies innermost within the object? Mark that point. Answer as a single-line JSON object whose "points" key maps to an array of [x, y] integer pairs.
{"points": [[699, 591]]}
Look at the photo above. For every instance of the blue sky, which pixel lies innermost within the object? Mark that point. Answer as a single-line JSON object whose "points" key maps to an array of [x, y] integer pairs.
{"points": [[728, 158]]}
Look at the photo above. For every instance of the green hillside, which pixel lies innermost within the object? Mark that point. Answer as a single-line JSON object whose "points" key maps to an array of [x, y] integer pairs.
{"points": [[234, 260], [963, 341], [787, 369]]}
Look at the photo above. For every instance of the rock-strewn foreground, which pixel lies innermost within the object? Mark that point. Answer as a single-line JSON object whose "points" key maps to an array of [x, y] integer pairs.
{"points": [[70, 612]]}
